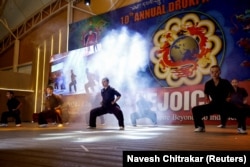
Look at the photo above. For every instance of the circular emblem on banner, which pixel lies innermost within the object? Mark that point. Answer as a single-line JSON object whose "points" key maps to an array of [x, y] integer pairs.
{"points": [[185, 46]]}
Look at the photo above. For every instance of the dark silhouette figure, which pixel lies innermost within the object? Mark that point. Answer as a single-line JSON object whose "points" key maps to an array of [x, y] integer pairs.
{"points": [[73, 81]]}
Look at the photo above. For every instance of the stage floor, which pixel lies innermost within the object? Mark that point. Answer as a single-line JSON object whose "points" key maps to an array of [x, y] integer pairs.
{"points": [[75, 146]]}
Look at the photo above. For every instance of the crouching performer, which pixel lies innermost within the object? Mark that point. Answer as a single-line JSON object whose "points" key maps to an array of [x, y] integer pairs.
{"points": [[218, 93], [108, 105]]}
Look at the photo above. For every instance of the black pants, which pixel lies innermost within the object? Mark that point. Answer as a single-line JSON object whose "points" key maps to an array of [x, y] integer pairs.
{"points": [[244, 112], [14, 114], [113, 109], [52, 114], [101, 117], [225, 110]]}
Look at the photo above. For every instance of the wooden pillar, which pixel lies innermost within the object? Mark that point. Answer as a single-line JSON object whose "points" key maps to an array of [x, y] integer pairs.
{"points": [[69, 21]]}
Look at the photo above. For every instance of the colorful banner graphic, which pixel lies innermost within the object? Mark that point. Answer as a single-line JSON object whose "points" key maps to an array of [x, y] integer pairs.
{"points": [[162, 46]]}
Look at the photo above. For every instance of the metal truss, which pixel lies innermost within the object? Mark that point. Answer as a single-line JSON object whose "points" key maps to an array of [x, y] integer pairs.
{"points": [[31, 23]]}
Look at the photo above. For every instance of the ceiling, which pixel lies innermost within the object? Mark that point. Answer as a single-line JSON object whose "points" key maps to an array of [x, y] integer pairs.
{"points": [[15, 12]]}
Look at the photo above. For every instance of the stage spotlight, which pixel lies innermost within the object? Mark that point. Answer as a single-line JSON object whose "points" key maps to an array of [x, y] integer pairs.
{"points": [[87, 2]]}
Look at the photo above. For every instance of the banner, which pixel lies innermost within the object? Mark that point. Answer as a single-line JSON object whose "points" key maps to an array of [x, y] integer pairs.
{"points": [[162, 48]]}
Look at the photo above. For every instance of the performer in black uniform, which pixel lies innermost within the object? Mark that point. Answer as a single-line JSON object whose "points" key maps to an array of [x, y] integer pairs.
{"points": [[108, 105], [218, 95], [239, 98], [14, 106]]}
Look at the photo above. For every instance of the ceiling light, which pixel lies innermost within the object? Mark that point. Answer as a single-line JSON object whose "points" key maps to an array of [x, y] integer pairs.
{"points": [[87, 2]]}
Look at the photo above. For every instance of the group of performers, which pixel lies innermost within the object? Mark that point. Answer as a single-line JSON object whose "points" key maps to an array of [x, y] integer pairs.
{"points": [[222, 97]]}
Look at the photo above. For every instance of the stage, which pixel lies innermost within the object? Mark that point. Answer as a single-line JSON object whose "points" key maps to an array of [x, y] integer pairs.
{"points": [[74, 145]]}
